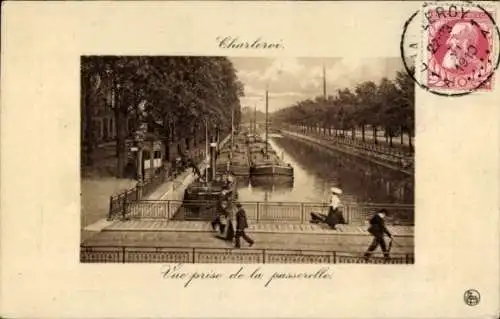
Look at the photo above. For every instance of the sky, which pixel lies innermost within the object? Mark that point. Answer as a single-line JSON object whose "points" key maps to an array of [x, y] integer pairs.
{"points": [[291, 79]]}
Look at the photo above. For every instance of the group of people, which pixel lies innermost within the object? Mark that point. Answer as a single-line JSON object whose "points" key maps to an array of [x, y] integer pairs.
{"points": [[228, 228], [232, 226], [377, 223]]}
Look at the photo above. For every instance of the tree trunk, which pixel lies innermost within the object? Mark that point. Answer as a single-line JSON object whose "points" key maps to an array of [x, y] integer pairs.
{"points": [[375, 134], [88, 127], [390, 140], [167, 138], [353, 133], [402, 135], [409, 141], [173, 140], [121, 135], [121, 132], [166, 143], [363, 132], [179, 149]]}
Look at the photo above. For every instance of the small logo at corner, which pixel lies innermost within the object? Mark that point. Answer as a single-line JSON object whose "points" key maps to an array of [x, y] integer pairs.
{"points": [[472, 297]]}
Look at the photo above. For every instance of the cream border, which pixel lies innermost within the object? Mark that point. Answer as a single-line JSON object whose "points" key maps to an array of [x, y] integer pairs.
{"points": [[457, 193]]}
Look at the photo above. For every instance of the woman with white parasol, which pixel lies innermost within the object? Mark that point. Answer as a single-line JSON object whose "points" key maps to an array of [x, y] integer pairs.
{"points": [[334, 216]]}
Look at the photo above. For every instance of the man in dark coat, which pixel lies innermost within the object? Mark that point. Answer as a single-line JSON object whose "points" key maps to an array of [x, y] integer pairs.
{"points": [[377, 229], [241, 225], [221, 211]]}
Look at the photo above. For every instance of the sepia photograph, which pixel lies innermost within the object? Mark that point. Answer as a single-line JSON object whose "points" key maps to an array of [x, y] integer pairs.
{"points": [[215, 159]]}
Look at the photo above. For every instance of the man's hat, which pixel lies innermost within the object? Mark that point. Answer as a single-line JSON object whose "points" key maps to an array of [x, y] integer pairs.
{"points": [[238, 205], [383, 211], [336, 190]]}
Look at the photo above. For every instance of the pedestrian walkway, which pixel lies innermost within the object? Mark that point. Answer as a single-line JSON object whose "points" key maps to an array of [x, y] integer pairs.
{"points": [[298, 241], [203, 226], [164, 189]]}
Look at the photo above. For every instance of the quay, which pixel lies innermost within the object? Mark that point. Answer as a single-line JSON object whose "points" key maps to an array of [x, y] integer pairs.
{"points": [[379, 155]]}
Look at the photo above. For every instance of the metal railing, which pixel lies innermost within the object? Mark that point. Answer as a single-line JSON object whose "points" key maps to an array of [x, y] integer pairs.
{"points": [[393, 156], [383, 146], [290, 212], [117, 203], [124, 254]]}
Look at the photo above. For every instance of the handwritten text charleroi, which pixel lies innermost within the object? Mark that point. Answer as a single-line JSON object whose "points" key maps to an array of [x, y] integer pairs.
{"points": [[230, 42]]}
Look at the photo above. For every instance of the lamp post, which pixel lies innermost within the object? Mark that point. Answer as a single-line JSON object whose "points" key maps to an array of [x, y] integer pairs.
{"points": [[213, 150], [267, 110], [206, 148]]}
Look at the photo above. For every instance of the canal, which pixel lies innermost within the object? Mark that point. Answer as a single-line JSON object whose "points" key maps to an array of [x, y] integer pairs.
{"points": [[317, 169]]}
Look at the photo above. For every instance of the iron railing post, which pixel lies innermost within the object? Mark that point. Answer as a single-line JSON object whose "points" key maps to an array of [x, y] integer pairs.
{"points": [[302, 213], [258, 212], [168, 210], [348, 213], [110, 213], [194, 255], [123, 254], [263, 256], [124, 207]]}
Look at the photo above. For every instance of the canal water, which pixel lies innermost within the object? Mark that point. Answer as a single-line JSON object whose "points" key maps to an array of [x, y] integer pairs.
{"points": [[317, 169]]}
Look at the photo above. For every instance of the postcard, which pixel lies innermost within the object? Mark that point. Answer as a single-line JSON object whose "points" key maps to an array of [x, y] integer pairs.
{"points": [[250, 159]]}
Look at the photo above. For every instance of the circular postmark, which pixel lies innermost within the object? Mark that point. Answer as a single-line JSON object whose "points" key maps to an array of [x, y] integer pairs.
{"points": [[472, 297], [451, 49]]}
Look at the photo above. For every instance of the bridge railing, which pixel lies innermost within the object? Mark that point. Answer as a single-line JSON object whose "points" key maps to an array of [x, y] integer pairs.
{"points": [[123, 254], [290, 212]]}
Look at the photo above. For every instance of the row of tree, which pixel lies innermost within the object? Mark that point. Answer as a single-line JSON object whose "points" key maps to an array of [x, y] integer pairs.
{"points": [[388, 105], [177, 97]]}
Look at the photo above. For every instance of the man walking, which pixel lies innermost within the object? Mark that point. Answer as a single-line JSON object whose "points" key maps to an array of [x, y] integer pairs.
{"points": [[377, 229], [241, 225], [221, 212]]}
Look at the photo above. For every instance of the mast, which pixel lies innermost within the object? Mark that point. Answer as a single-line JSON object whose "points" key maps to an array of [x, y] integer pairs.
{"points": [[324, 83], [267, 106], [232, 127], [254, 119]]}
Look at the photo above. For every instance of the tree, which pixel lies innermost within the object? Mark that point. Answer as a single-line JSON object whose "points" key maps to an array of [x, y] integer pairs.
{"points": [[366, 93], [175, 96], [390, 105], [388, 112], [91, 74], [406, 101]]}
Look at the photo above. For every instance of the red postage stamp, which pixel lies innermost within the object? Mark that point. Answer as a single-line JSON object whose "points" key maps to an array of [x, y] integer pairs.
{"points": [[460, 50]]}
